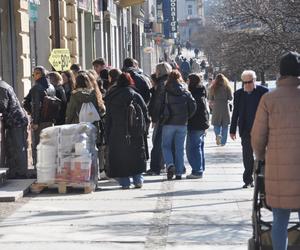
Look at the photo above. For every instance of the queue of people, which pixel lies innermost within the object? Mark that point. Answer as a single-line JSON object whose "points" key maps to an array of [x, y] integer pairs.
{"points": [[128, 101]]}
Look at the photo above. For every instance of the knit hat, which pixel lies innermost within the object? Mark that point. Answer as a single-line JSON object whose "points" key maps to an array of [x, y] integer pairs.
{"points": [[290, 64]]}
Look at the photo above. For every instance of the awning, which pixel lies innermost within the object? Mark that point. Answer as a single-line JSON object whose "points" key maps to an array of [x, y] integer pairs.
{"points": [[127, 3]]}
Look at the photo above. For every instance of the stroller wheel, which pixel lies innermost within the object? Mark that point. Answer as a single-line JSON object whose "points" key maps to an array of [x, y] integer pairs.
{"points": [[252, 245]]}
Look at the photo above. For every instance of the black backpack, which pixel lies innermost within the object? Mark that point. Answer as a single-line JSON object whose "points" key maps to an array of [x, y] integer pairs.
{"points": [[142, 84], [135, 121], [51, 107]]}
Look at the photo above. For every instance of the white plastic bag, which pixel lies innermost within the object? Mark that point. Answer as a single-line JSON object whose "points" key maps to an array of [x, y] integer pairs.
{"points": [[88, 113]]}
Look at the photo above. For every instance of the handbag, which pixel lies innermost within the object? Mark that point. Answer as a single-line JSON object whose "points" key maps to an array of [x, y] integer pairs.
{"points": [[166, 113], [88, 113]]}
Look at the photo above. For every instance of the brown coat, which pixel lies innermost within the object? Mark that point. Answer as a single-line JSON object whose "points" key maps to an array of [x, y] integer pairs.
{"points": [[276, 138]]}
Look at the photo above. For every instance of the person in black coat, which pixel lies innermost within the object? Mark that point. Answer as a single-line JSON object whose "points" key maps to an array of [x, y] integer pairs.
{"points": [[14, 135], [141, 81], [245, 104], [56, 80], [126, 159], [33, 101], [197, 125], [178, 107], [68, 83]]}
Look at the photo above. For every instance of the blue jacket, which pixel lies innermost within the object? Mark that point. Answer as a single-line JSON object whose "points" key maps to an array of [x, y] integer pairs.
{"points": [[244, 109]]}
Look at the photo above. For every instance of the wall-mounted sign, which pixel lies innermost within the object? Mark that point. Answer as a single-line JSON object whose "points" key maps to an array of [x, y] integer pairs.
{"points": [[37, 2], [60, 59], [97, 7], [170, 18], [85, 5], [33, 10], [173, 22]]}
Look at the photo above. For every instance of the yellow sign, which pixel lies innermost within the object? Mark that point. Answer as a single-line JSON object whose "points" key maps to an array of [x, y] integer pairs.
{"points": [[60, 59], [127, 3]]}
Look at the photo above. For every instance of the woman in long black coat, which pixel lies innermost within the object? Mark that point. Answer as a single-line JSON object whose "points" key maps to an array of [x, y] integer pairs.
{"points": [[126, 159]]}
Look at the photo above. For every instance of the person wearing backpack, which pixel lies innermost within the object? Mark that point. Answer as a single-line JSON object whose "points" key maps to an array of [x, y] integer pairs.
{"points": [[126, 124], [84, 92], [179, 105], [57, 81], [33, 104], [141, 81]]}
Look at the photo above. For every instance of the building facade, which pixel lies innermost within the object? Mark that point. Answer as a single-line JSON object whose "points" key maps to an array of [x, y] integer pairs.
{"points": [[113, 29], [190, 14]]}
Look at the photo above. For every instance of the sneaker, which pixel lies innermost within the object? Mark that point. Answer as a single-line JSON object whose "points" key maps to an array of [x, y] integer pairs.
{"points": [[138, 185], [194, 176], [178, 177], [125, 187], [171, 172], [218, 140]]}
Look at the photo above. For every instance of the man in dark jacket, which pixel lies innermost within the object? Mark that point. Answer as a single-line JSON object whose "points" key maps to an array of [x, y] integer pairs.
{"points": [[99, 65], [15, 125], [35, 98], [245, 103], [141, 81]]}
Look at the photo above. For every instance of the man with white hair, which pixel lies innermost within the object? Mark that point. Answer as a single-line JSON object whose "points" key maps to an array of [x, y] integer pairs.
{"points": [[245, 104]]}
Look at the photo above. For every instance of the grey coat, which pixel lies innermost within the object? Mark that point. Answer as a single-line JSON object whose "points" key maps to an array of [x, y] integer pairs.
{"points": [[220, 108]]}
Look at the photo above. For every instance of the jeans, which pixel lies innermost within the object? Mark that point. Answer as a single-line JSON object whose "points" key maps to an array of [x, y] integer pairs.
{"points": [[248, 159], [195, 150], [125, 181], [223, 132], [279, 229], [156, 161], [176, 134]]}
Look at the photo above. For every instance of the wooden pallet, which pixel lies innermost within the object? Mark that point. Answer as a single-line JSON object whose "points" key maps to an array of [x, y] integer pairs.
{"points": [[62, 187]]}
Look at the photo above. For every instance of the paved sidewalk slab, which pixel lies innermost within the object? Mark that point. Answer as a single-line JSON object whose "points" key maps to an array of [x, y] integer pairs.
{"points": [[13, 190], [213, 213]]}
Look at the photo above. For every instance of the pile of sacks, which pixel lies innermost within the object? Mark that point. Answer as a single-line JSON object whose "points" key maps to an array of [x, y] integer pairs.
{"points": [[68, 154]]}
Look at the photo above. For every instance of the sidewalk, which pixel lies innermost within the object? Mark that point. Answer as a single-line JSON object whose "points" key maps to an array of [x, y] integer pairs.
{"points": [[213, 213]]}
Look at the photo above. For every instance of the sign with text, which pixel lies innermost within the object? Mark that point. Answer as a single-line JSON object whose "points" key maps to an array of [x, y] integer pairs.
{"points": [[60, 59], [170, 17]]}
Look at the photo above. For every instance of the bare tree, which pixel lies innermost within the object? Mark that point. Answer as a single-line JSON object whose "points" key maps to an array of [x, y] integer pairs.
{"points": [[251, 34]]}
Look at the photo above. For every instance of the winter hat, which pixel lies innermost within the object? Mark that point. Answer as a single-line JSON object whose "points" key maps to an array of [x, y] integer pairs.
{"points": [[290, 64]]}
